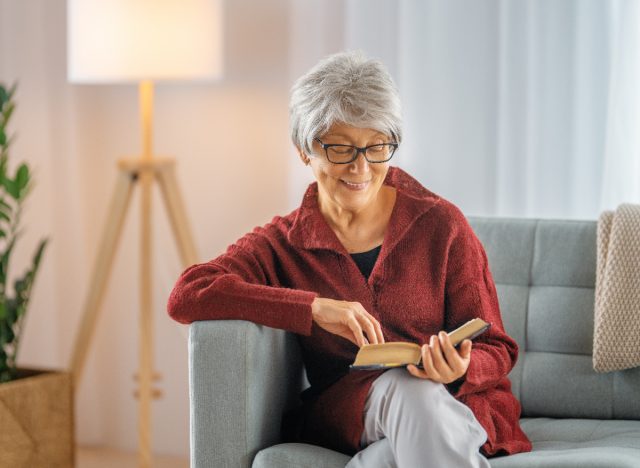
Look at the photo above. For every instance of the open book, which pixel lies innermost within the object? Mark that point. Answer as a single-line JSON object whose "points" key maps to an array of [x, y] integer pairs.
{"points": [[399, 354]]}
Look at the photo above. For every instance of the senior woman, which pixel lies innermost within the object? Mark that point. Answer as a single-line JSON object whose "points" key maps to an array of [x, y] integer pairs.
{"points": [[370, 256]]}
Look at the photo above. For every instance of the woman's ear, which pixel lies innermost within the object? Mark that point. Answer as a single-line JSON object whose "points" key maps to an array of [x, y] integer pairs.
{"points": [[305, 159]]}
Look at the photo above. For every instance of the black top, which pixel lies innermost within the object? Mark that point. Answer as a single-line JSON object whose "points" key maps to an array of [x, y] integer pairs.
{"points": [[366, 260]]}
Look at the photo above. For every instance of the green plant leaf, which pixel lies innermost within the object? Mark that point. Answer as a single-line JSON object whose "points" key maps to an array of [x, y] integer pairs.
{"points": [[8, 110], [22, 178], [15, 187], [38, 256], [4, 263], [8, 143], [23, 285], [6, 95], [11, 187], [6, 212], [12, 310], [8, 334], [19, 307]]}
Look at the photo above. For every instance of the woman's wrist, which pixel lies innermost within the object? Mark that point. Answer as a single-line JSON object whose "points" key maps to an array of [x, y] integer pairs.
{"points": [[315, 305]]}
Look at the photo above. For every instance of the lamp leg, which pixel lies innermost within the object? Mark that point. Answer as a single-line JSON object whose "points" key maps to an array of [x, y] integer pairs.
{"points": [[147, 172], [102, 268], [177, 214], [146, 322]]}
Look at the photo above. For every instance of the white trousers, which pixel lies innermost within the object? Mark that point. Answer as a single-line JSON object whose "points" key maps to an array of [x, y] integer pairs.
{"points": [[412, 423]]}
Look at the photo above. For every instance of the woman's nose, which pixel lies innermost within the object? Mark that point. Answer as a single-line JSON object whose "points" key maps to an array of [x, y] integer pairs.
{"points": [[360, 164]]}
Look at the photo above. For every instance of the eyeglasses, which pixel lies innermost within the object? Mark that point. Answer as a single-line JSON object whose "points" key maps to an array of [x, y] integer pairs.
{"points": [[345, 154]]}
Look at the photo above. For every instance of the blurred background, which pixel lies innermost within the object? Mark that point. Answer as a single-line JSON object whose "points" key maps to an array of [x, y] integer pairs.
{"points": [[517, 109]]}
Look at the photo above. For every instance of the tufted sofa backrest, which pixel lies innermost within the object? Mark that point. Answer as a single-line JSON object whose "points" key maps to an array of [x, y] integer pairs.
{"points": [[544, 272]]}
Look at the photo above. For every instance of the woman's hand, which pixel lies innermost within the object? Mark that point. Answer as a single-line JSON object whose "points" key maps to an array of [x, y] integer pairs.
{"points": [[347, 319], [441, 362]]}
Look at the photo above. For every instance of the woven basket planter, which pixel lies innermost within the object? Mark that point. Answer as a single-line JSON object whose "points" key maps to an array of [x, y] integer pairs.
{"points": [[36, 420]]}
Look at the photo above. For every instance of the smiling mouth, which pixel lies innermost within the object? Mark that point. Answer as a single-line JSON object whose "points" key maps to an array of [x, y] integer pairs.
{"points": [[356, 185]]}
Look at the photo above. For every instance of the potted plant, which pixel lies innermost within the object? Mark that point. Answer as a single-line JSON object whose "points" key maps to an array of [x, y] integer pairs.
{"points": [[36, 408]]}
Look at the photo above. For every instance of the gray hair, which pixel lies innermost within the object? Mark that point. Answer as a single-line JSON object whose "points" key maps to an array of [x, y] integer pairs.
{"points": [[345, 87]]}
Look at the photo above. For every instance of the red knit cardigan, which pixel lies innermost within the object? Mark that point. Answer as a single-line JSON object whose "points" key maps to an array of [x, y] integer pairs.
{"points": [[431, 274]]}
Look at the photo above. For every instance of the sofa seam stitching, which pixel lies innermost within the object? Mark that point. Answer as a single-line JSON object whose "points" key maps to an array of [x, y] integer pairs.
{"points": [[526, 316]]}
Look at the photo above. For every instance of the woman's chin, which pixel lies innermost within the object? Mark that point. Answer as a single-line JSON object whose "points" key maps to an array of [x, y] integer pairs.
{"points": [[354, 201]]}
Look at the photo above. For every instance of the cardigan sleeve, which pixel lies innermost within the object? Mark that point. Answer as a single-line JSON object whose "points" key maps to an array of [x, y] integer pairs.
{"points": [[470, 293], [236, 286]]}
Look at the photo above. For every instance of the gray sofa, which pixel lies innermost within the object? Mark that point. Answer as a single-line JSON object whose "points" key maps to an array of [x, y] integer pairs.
{"points": [[243, 376]]}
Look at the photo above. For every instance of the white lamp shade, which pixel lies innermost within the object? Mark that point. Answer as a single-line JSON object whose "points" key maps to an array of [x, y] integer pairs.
{"points": [[132, 40]]}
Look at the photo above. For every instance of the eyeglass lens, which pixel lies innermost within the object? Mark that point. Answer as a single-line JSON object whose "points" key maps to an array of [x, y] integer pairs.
{"points": [[342, 154]]}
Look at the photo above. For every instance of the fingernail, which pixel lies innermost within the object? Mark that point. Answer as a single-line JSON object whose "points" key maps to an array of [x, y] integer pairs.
{"points": [[432, 340]]}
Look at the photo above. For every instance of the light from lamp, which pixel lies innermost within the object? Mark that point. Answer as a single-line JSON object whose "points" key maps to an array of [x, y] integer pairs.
{"points": [[133, 40]]}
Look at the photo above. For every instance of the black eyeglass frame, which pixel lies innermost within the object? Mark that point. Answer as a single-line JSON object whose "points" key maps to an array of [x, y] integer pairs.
{"points": [[358, 150]]}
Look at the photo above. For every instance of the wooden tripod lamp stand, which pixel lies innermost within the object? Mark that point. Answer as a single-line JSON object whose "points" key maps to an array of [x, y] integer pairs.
{"points": [[140, 41]]}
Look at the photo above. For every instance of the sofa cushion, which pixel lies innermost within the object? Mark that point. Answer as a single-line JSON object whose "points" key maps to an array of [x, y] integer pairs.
{"points": [[544, 272], [557, 443], [299, 456], [552, 434], [577, 443]]}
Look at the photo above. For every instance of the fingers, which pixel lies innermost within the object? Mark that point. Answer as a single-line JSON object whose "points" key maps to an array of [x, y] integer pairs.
{"points": [[465, 349], [377, 328], [441, 361], [428, 371], [369, 328], [369, 324], [356, 328], [347, 319], [429, 361], [454, 361], [416, 372], [374, 331]]}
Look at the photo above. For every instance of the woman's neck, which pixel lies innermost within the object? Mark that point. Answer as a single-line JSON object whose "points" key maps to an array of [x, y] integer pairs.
{"points": [[363, 229]]}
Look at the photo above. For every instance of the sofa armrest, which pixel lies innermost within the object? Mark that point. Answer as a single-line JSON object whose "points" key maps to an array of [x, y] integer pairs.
{"points": [[242, 376]]}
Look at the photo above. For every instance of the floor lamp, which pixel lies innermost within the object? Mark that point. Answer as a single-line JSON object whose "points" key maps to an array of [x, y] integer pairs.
{"points": [[140, 41]]}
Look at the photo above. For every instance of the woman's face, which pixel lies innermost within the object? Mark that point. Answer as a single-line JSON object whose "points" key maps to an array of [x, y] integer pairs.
{"points": [[353, 186]]}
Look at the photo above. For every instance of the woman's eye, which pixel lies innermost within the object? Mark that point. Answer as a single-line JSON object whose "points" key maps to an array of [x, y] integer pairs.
{"points": [[376, 148], [342, 149]]}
